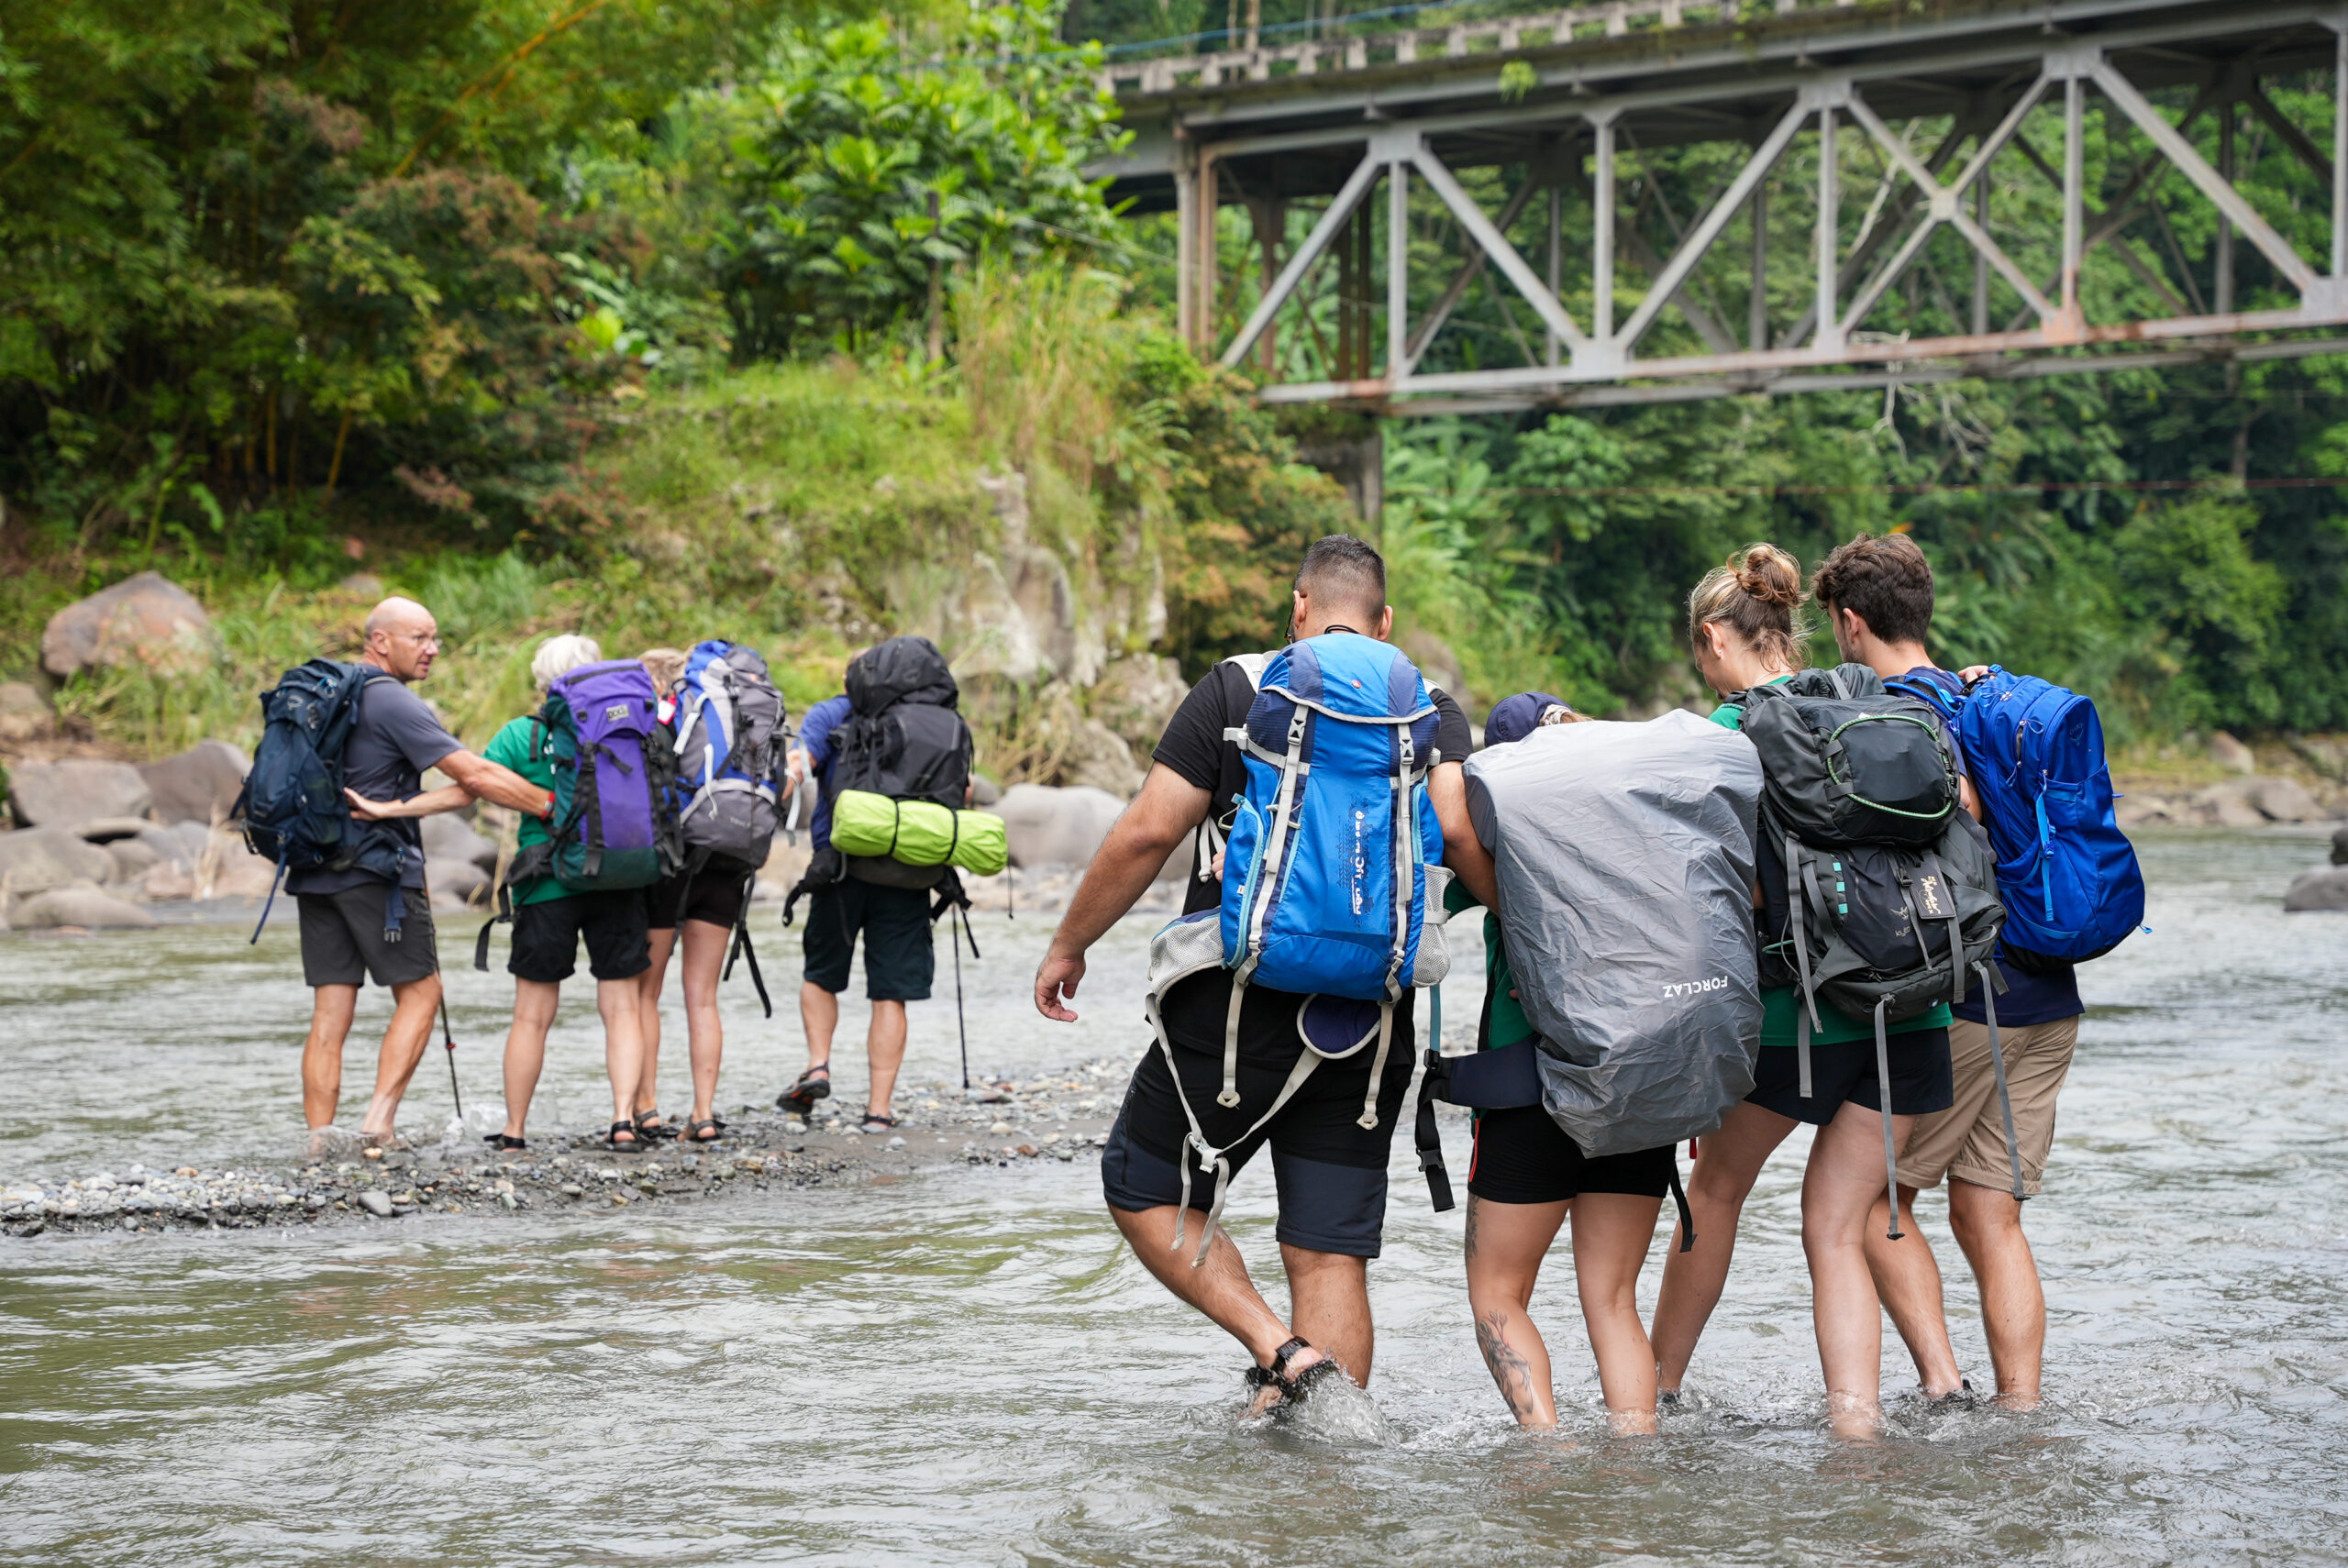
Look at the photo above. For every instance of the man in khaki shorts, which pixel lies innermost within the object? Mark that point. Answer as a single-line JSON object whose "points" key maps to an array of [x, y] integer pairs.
{"points": [[1878, 594]]}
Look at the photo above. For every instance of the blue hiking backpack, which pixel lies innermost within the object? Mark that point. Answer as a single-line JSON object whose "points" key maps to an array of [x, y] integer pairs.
{"points": [[1332, 875], [291, 805], [2066, 874]]}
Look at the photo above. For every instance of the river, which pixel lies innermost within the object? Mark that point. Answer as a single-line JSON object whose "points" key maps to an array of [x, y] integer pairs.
{"points": [[964, 1367]]}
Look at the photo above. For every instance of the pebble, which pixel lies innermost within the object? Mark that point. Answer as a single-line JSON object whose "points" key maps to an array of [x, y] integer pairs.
{"points": [[375, 1203]]}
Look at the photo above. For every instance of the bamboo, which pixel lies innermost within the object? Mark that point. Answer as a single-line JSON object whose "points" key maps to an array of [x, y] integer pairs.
{"points": [[334, 469]]}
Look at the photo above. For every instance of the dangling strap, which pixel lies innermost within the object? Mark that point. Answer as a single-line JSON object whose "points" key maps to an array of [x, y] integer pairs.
{"points": [[274, 878], [1680, 1196], [1998, 1065], [742, 949], [1428, 1137], [396, 906], [1368, 1120], [1798, 929], [1883, 1089], [1229, 1095], [1266, 878], [1208, 1153]]}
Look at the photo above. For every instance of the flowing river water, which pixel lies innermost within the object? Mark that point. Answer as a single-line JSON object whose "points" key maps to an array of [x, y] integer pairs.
{"points": [[964, 1367]]}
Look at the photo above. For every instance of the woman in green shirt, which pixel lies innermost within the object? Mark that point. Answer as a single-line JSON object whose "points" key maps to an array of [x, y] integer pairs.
{"points": [[1743, 624]]}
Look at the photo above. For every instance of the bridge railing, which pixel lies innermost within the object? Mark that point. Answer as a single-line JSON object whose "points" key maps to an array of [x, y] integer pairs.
{"points": [[1496, 36]]}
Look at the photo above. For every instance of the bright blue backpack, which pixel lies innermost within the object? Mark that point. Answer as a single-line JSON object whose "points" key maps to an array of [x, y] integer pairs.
{"points": [[2066, 874]]}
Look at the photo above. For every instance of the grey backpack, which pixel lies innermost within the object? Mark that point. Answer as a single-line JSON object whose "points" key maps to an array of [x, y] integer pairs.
{"points": [[1625, 862]]}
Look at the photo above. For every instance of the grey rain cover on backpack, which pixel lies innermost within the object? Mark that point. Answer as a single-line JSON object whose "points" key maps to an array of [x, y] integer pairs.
{"points": [[1626, 870]]}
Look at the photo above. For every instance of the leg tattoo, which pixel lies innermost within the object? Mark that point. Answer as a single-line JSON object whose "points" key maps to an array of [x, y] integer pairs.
{"points": [[1509, 1368], [1473, 1205]]}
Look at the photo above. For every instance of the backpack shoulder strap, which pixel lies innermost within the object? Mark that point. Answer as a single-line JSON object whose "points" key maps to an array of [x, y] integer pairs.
{"points": [[1931, 693], [1251, 665]]}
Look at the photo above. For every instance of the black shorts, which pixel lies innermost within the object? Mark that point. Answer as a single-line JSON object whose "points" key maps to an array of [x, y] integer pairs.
{"points": [[342, 937], [1329, 1170], [1922, 1080], [899, 961], [716, 897], [546, 937], [1521, 1155]]}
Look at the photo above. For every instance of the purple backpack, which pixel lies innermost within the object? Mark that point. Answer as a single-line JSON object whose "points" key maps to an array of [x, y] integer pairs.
{"points": [[615, 824]]}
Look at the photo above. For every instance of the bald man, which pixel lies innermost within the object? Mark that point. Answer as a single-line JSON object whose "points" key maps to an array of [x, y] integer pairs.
{"points": [[346, 938]]}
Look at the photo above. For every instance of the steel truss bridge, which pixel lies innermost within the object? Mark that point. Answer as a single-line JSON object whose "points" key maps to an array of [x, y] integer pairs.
{"points": [[1915, 97]]}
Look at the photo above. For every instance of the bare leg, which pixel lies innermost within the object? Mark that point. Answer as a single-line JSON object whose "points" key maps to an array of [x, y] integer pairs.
{"points": [[1328, 1298], [617, 1000], [1838, 1192], [1727, 1165], [1506, 1243], [648, 991], [1908, 1278], [1219, 1288], [331, 1009], [1612, 1233], [526, 1047], [886, 1044], [404, 1040], [1988, 1223], [819, 1015], [704, 1031]]}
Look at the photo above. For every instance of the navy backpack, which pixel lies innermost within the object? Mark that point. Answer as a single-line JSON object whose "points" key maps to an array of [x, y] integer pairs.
{"points": [[2066, 874], [291, 804]]}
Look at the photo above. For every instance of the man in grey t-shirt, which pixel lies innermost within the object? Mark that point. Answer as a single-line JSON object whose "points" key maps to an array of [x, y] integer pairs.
{"points": [[395, 739]]}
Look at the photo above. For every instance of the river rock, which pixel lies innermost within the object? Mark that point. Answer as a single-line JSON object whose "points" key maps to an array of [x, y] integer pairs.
{"points": [[449, 837], [146, 621], [78, 905], [199, 785], [24, 714], [59, 794], [1136, 695], [1099, 758], [2284, 801], [2230, 753], [377, 1203], [460, 881], [2229, 804], [2326, 888], [133, 858], [34, 860], [2339, 846], [226, 869], [1049, 827]]}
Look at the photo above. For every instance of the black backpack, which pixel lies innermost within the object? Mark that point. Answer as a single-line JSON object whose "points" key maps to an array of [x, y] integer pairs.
{"points": [[902, 739], [1880, 892]]}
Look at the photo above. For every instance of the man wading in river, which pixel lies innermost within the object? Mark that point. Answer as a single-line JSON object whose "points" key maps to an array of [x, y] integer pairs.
{"points": [[394, 739], [1330, 1169]]}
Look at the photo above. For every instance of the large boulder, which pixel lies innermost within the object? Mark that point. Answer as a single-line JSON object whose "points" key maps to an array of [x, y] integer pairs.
{"points": [[458, 881], [1099, 758], [2326, 888], [226, 869], [82, 906], [2230, 753], [1136, 695], [2284, 801], [2229, 804], [145, 621], [449, 837], [33, 860], [2339, 846], [199, 785], [1049, 826], [60, 794], [23, 713], [133, 858]]}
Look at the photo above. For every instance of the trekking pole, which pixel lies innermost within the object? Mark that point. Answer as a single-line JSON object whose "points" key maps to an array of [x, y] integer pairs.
{"points": [[960, 1027], [448, 1037]]}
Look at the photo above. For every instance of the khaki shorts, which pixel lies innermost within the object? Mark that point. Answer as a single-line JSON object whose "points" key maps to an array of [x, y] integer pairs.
{"points": [[1967, 1141]]}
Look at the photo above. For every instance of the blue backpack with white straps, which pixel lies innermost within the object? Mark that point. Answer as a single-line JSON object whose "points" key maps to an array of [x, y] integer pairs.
{"points": [[1324, 878], [2066, 874]]}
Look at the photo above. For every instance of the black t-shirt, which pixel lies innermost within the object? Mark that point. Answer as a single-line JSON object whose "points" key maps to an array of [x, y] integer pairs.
{"points": [[1193, 746]]}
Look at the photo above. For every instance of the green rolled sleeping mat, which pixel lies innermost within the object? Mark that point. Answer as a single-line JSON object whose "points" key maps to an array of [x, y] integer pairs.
{"points": [[918, 833]]}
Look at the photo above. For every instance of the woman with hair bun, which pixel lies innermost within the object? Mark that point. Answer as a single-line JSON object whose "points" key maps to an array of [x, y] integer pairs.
{"points": [[1745, 627]]}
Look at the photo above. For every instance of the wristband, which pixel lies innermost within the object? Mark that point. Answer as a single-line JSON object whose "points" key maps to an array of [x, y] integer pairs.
{"points": [[548, 814]]}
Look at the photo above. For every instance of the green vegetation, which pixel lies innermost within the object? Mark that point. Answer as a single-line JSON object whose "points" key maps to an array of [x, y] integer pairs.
{"points": [[659, 320]]}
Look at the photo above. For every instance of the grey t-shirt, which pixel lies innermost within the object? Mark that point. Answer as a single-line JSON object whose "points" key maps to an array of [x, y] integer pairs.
{"points": [[397, 737]]}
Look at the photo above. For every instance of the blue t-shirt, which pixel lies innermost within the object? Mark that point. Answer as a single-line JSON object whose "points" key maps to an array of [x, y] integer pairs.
{"points": [[815, 739], [2029, 998]]}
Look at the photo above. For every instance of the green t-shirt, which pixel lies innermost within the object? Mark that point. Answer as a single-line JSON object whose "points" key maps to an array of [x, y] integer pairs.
{"points": [[520, 745], [1509, 1023], [1781, 1005]]}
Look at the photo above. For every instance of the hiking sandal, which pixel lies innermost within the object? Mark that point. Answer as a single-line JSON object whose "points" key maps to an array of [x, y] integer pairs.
{"points": [[693, 1131], [802, 1096], [651, 1125], [878, 1123], [1294, 1389], [506, 1143], [635, 1144]]}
